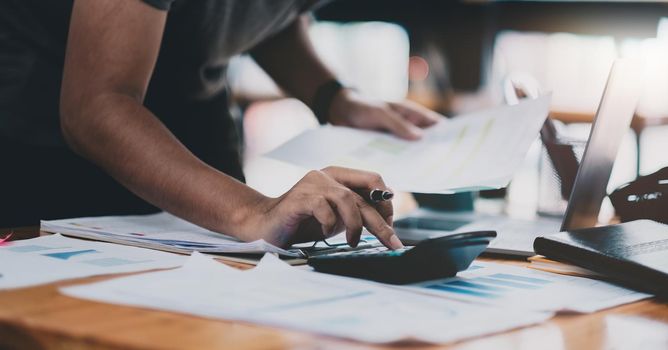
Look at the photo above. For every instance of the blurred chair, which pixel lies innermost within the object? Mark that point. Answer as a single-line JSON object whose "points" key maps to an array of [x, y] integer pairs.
{"points": [[517, 86], [559, 165]]}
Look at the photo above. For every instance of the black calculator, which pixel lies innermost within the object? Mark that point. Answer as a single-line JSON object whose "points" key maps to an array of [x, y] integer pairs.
{"points": [[430, 259]]}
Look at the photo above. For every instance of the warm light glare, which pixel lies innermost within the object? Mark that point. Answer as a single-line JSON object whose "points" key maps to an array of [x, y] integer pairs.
{"points": [[418, 68]]}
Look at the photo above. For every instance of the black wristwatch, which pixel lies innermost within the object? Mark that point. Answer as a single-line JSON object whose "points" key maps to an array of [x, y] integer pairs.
{"points": [[324, 96]]}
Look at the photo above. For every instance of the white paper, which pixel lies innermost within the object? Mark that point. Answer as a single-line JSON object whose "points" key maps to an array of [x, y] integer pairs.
{"points": [[276, 294], [159, 231], [476, 150], [528, 289], [52, 258]]}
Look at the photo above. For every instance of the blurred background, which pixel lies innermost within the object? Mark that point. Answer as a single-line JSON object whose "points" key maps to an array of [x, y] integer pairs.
{"points": [[458, 56]]}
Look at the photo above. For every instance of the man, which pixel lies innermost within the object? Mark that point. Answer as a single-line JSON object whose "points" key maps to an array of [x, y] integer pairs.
{"points": [[136, 87]]}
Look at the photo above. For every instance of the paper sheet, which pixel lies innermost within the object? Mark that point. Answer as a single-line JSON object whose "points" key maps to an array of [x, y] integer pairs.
{"points": [[477, 150], [161, 231], [524, 288], [52, 258], [276, 294]]}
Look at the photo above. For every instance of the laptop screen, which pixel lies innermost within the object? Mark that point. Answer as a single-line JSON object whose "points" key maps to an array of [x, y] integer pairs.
{"points": [[611, 123]]}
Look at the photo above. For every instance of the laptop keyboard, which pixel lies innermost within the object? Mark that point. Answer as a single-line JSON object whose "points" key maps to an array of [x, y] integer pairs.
{"points": [[515, 236]]}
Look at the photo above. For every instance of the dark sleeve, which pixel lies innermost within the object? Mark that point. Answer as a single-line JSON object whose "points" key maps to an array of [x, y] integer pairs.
{"points": [[159, 4]]}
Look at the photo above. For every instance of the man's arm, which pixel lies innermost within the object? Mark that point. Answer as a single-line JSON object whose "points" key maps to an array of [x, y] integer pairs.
{"points": [[111, 53], [290, 59]]}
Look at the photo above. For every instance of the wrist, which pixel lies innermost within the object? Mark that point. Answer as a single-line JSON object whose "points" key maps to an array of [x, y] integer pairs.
{"points": [[260, 222], [326, 99], [243, 217], [342, 107]]}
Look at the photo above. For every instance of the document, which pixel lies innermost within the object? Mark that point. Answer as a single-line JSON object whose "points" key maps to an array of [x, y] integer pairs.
{"points": [[53, 258], [473, 151], [528, 289], [276, 294], [161, 231]]}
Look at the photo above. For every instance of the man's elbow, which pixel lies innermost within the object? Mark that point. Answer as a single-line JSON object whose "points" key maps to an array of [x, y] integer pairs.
{"points": [[88, 116], [69, 114]]}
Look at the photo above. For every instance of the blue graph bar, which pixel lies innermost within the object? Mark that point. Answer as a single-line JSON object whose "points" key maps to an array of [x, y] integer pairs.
{"points": [[506, 276], [500, 282], [477, 286], [67, 255], [475, 293]]}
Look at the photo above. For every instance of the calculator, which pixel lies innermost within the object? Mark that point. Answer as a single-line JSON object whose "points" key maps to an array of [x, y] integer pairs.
{"points": [[430, 259]]}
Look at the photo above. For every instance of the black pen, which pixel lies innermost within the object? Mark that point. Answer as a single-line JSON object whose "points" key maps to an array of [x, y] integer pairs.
{"points": [[378, 195]]}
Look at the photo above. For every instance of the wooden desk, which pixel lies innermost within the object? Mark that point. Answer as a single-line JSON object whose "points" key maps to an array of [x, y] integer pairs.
{"points": [[41, 318]]}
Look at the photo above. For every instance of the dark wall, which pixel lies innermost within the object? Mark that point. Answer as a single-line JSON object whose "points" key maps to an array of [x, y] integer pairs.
{"points": [[464, 33], [455, 29]]}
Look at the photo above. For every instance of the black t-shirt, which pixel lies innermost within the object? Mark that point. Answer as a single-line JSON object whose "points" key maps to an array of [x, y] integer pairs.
{"points": [[41, 178], [187, 89]]}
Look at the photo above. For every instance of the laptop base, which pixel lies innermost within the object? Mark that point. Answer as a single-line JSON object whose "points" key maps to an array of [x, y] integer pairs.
{"points": [[514, 236]]}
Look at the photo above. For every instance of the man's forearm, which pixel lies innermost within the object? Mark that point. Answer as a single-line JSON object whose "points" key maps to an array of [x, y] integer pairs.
{"points": [[290, 59], [120, 135], [112, 47]]}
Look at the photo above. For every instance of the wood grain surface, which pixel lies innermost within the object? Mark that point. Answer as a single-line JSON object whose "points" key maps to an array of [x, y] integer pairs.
{"points": [[41, 318]]}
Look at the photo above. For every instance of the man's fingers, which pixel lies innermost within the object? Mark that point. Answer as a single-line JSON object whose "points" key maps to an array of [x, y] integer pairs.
{"points": [[363, 182], [334, 202], [345, 203], [399, 126], [378, 227], [386, 211], [323, 212], [353, 178], [416, 114]]}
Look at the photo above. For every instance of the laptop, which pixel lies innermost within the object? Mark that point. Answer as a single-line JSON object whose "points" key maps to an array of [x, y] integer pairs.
{"points": [[515, 237]]}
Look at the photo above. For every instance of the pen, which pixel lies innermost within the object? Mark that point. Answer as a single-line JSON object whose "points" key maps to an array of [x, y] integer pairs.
{"points": [[377, 195]]}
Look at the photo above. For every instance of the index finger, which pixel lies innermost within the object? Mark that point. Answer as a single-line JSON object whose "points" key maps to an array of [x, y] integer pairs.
{"points": [[353, 178], [379, 228]]}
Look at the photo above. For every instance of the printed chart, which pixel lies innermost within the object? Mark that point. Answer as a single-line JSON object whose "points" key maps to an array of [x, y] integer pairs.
{"points": [[508, 286], [476, 150], [52, 258]]}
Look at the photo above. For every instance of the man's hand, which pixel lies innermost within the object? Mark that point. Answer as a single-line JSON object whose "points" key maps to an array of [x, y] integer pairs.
{"points": [[291, 60], [403, 119], [322, 204]]}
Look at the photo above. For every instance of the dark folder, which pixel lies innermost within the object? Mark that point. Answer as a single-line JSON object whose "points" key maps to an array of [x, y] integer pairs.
{"points": [[632, 254]]}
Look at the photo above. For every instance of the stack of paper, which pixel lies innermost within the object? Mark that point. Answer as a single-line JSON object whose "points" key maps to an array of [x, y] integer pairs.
{"points": [[160, 231], [166, 232], [472, 151], [52, 258], [276, 294]]}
